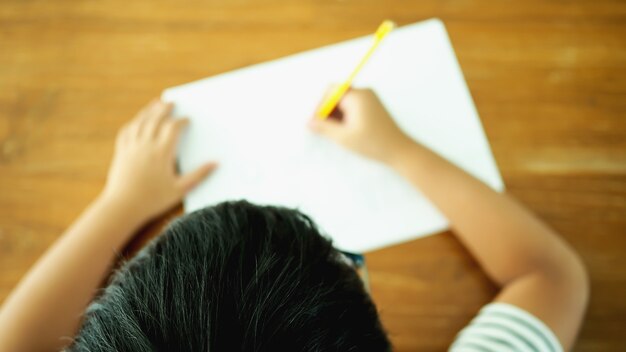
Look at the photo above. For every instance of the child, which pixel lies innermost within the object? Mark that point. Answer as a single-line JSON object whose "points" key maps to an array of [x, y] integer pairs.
{"points": [[240, 277]]}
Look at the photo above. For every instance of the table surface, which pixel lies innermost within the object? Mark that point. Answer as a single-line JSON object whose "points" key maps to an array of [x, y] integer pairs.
{"points": [[548, 79]]}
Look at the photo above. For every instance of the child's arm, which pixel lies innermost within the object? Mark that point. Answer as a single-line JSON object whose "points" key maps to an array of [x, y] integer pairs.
{"points": [[536, 270], [45, 309]]}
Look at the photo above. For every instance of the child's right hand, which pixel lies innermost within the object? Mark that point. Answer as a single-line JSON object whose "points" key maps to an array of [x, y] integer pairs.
{"points": [[365, 126]]}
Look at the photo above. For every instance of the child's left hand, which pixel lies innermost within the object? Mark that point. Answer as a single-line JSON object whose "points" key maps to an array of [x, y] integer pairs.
{"points": [[142, 176]]}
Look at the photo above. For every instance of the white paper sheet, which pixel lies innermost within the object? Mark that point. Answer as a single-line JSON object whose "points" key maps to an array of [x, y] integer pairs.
{"points": [[253, 122]]}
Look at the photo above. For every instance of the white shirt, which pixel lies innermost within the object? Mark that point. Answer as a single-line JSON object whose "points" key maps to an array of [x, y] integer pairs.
{"points": [[504, 327]]}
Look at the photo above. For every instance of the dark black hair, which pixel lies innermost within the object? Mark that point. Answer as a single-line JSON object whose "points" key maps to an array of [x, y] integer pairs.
{"points": [[234, 277]]}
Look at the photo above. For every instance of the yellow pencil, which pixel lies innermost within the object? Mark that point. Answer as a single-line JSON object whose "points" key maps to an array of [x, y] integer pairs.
{"points": [[335, 96]]}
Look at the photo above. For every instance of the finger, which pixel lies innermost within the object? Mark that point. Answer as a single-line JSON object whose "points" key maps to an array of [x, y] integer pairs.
{"points": [[122, 136], [155, 121], [134, 126], [155, 107], [146, 109], [353, 104], [171, 130], [190, 180], [353, 96], [128, 132], [327, 127]]}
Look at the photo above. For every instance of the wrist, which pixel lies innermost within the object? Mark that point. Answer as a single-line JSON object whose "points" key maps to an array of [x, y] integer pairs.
{"points": [[121, 208], [400, 151]]}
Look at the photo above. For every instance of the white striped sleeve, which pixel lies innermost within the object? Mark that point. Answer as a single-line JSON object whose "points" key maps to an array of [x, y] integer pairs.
{"points": [[505, 327]]}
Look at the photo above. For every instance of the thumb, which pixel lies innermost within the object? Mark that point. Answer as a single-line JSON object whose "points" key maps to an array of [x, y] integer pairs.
{"points": [[327, 127], [190, 180]]}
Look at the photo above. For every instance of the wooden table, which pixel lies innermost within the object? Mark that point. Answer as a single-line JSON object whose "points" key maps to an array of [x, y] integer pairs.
{"points": [[548, 79]]}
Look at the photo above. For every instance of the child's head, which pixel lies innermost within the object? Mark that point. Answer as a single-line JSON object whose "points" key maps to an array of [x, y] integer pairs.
{"points": [[235, 277]]}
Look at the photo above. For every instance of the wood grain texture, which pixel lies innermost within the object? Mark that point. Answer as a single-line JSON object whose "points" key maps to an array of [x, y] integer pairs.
{"points": [[548, 79]]}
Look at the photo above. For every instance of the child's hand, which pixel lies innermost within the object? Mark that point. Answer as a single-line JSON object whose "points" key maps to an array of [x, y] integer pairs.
{"points": [[364, 126], [142, 175]]}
